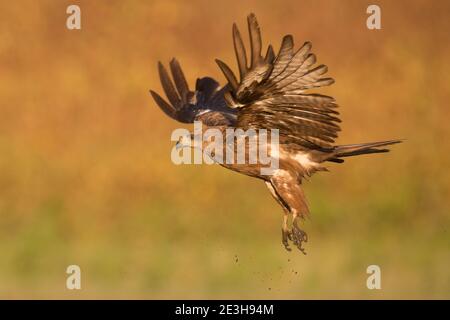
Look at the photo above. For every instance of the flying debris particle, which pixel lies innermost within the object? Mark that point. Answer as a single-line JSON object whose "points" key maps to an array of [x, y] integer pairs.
{"points": [[236, 259]]}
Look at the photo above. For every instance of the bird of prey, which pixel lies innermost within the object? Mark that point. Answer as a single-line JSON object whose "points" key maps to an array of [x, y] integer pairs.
{"points": [[271, 93]]}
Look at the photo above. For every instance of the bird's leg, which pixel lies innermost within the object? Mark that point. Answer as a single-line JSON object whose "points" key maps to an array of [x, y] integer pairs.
{"points": [[298, 235], [285, 232]]}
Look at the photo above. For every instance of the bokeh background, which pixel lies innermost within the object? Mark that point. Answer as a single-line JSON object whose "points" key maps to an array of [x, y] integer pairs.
{"points": [[86, 176]]}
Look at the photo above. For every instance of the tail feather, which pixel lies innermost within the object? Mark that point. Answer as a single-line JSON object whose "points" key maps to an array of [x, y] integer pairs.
{"points": [[349, 150]]}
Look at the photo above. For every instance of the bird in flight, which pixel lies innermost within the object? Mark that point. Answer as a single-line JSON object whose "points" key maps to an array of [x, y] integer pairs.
{"points": [[272, 93]]}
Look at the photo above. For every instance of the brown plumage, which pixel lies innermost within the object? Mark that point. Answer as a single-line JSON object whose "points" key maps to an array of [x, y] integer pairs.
{"points": [[271, 93]]}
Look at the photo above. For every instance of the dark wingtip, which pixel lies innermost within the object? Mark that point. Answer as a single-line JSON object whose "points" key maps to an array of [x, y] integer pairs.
{"points": [[251, 16], [154, 94], [229, 75], [163, 105], [255, 39], [270, 54], [168, 86], [288, 38], [179, 79], [173, 61], [394, 141], [161, 69]]}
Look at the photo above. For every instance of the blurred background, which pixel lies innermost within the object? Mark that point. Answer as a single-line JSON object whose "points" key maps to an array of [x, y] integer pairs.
{"points": [[86, 176]]}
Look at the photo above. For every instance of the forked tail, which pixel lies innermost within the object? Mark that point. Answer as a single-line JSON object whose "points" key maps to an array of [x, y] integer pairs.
{"points": [[350, 150]]}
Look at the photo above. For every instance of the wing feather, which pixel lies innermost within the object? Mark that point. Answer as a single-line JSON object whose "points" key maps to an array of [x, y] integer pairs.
{"points": [[255, 40], [168, 87], [271, 92], [167, 108], [241, 55], [207, 103], [284, 56], [179, 79], [231, 78]]}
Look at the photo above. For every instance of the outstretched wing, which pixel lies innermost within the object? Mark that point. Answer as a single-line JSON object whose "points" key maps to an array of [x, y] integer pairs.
{"points": [[271, 91], [206, 103]]}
